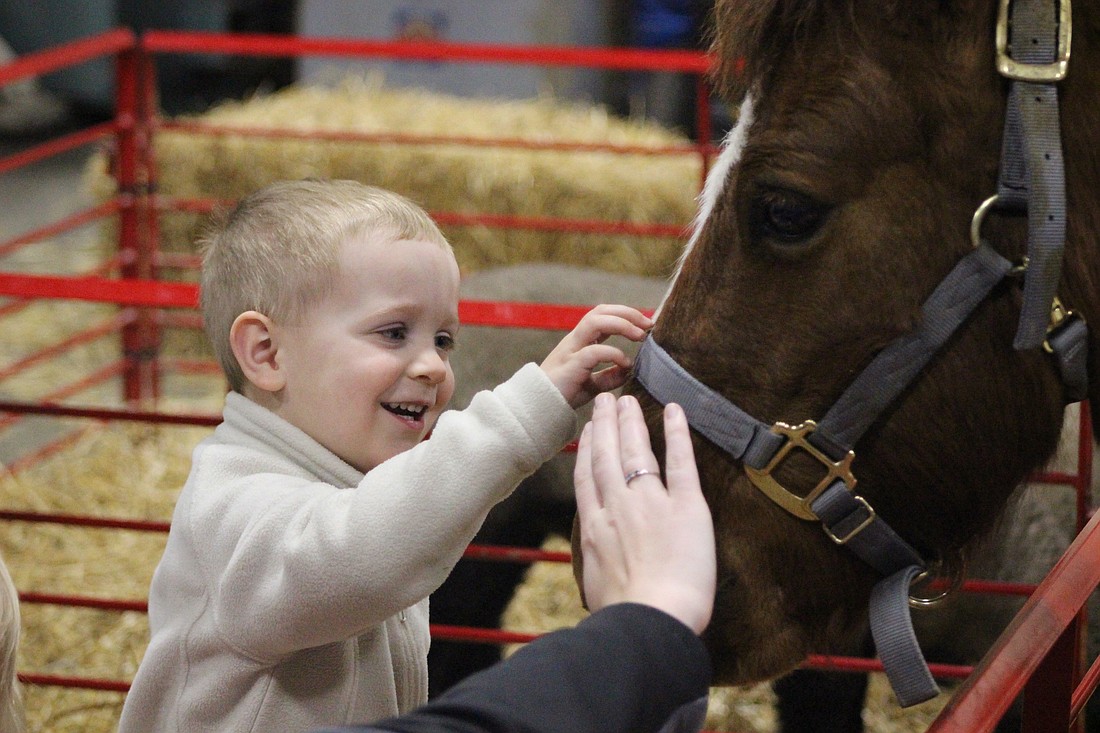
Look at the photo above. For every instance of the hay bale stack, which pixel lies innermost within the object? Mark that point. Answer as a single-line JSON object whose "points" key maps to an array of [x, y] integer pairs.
{"points": [[602, 186]]}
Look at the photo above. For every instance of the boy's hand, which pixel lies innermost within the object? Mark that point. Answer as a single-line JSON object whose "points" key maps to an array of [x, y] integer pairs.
{"points": [[570, 364]]}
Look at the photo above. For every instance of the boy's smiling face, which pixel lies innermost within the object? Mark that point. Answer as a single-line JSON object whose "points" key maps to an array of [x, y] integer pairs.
{"points": [[367, 369]]}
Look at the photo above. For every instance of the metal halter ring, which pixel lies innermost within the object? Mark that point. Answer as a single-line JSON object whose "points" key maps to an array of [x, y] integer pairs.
{"points": [[953, 585], [1020, 268], [635, 474], [978, 218]]}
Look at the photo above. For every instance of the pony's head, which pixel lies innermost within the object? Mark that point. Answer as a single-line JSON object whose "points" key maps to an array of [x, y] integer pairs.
{"points": [[868, 136]]}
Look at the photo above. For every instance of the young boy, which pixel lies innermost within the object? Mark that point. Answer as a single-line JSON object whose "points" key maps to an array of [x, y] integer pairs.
{"points": [[292, 593]]}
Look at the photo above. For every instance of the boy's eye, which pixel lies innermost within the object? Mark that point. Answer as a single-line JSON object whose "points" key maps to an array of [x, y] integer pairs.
{"points": [[445, 342], [396, 333]]}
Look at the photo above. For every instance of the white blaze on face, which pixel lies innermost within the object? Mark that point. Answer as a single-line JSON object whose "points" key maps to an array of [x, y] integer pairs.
{"points": [[716, 180]]}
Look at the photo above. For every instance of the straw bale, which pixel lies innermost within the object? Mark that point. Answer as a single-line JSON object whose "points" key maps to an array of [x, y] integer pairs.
{"points": [[657, 189], [42, 324]]}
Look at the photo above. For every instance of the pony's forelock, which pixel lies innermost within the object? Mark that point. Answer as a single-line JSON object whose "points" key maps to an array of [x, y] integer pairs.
{"points": [[732, 146]]}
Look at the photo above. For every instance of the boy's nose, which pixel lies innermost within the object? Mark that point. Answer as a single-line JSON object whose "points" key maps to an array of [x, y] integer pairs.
{"points": [[430, 366]]}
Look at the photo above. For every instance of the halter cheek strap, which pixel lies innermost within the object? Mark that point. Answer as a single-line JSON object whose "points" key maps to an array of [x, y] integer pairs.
{"points": [[1033, 45], [755, 443]]}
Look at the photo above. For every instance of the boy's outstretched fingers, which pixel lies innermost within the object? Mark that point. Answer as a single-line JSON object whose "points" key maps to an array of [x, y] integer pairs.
{"points": [[572, 364], [612, 320]]}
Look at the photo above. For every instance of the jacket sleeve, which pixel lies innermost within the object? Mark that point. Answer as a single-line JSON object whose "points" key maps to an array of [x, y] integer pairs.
{"points": [[626, 669]]}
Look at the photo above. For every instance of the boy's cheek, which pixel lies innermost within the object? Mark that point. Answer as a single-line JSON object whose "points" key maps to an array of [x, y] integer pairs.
{"points": [[447, 390]]}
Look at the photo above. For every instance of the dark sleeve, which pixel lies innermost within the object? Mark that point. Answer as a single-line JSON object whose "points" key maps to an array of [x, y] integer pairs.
{"points": [[627, 669]]}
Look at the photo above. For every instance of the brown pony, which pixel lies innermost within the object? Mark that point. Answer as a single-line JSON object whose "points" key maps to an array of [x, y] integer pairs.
{"points": [[869, 134]]}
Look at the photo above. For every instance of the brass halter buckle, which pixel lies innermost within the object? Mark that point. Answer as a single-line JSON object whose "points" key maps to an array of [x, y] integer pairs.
{"points": [[800, 506]]}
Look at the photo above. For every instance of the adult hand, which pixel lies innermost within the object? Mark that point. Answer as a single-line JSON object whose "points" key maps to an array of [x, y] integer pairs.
{"points": [[641, 542]]}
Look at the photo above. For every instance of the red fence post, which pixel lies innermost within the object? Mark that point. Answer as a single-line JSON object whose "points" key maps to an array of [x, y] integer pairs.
{"points": [[1049, 691], [140, 339]]}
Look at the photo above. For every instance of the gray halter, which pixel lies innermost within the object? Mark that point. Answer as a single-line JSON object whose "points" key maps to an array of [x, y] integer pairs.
{"points": [[1032, 178]]}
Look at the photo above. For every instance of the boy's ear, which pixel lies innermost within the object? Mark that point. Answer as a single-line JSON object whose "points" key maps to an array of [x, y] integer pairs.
{"points": [[254, 341]]}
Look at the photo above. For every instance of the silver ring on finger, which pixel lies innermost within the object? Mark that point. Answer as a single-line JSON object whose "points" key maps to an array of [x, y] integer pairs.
{"points": [[635, 474]]}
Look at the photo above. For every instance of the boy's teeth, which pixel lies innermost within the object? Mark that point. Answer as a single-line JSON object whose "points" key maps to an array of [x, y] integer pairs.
{"points": [[412, 409]]}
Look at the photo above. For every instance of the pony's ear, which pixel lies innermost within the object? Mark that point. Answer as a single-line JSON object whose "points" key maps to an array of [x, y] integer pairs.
{"points": [[255, 343]]}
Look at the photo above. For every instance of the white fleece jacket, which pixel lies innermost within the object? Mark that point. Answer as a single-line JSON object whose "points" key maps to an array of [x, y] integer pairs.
{"points": [[293, 589]]}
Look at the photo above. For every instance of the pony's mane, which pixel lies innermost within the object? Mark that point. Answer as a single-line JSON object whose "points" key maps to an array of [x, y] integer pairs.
{"points": [[749, 35]]}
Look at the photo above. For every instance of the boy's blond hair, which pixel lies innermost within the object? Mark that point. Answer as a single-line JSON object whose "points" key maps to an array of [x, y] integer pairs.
{"points": [[277, 251]]}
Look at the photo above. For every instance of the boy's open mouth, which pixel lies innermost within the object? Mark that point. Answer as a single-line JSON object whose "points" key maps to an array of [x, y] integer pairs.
{"points": [[406, 410]]}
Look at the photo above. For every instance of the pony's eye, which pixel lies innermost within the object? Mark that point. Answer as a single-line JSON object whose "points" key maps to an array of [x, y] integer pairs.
{"points": [[785, 217]]}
